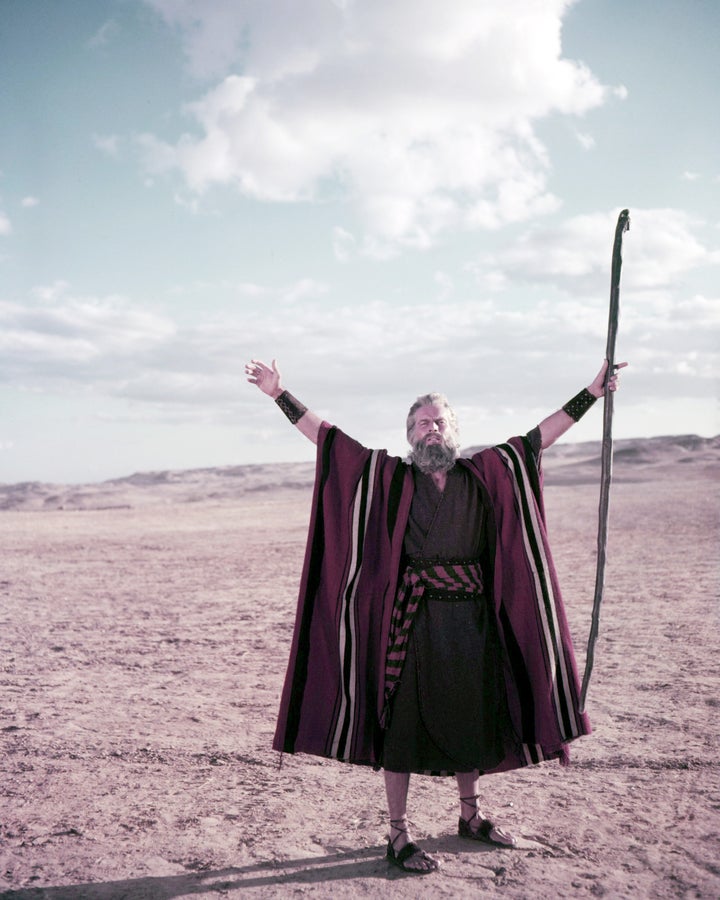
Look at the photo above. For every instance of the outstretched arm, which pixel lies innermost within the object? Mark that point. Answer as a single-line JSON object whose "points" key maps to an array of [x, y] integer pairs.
{"points": [[562, 420], [268, 379]]}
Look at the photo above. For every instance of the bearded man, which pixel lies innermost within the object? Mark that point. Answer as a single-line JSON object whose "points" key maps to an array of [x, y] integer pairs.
{"points": [[430, 634]]}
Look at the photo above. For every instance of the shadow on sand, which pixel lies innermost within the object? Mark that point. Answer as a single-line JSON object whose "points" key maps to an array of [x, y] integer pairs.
{"points": [[355, 864]]}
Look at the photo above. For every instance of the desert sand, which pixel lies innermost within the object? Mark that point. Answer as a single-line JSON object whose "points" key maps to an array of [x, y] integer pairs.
{"points": [[144, 629]]}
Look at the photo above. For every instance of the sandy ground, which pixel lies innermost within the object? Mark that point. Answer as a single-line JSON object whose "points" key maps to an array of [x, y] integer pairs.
{"points": [[143, 651]]}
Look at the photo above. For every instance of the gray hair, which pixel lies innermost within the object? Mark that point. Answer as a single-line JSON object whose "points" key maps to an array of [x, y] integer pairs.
{"points": [[430, 400]]}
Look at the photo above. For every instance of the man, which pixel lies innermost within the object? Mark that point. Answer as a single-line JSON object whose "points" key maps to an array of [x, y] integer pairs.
{"points": [[430, 634]]}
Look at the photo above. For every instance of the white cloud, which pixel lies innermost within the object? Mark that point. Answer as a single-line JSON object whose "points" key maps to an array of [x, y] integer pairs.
{"points": [[586, 141], [661, 244], [29, 202], [445, 285], [219, 35], [104, 34], [175, 372], [669, 332], [226, 286], [304, 289], [107, 143], [344, 244], [5, 226], [421, 114], [73, 338], [51, 292]]}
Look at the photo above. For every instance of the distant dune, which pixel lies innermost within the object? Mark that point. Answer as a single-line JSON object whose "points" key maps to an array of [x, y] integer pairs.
{"points": [[634, 459]]}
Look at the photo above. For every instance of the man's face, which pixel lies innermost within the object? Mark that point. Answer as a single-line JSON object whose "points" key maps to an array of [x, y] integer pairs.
{"points": [[431, 426], [434, 443]]}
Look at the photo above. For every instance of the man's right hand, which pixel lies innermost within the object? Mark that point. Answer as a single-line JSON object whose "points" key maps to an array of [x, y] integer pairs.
{"points": [[267, 378]]}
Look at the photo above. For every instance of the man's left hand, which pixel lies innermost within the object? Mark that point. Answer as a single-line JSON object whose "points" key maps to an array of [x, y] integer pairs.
{"points": [[597, 387]]}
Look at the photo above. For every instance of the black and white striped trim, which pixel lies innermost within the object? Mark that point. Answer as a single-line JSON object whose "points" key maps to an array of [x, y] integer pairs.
{"points": [[341, 739], [545, 599]]}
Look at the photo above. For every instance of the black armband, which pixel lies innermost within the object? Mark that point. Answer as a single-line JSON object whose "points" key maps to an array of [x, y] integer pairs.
{"points": [[292, 408], [579, 405]]}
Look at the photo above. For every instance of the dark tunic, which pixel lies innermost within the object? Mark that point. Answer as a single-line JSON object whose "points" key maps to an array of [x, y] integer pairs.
{"points": [[450, 710]]}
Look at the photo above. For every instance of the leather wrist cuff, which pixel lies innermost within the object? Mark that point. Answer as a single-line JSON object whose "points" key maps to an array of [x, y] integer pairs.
{"points": [[292, 408], [579, 405]]}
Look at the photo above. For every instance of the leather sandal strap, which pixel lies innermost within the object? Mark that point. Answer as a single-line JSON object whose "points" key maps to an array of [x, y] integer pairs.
{"points": [[469, 801], [399, 830]]}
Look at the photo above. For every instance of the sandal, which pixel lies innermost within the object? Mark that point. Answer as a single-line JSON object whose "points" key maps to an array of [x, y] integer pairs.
{"points": [[483, 832], [409, 852]]}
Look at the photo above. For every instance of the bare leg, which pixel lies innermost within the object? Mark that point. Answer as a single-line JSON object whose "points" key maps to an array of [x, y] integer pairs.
{"points": [[396, 788], [468, 788]]}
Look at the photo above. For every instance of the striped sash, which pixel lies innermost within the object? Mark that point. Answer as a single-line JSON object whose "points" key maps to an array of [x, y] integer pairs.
{"points": [[419, 576]]}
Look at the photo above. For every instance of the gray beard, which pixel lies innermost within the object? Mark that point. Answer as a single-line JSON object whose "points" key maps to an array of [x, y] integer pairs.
{"points": [[431, 458]]}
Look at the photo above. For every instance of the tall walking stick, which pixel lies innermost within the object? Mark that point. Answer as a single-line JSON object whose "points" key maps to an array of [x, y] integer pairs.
{"points": [[623, 224]]}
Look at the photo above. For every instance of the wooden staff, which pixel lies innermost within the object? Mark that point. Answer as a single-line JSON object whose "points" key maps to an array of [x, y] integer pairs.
{"points": [[623, 224]]}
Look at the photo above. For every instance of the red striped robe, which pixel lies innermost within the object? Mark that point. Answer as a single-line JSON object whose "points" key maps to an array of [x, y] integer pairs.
{"points": [[334, 688]]}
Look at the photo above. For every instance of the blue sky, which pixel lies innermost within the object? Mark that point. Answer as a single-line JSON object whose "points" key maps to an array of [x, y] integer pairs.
{"points": [[389, 198]]}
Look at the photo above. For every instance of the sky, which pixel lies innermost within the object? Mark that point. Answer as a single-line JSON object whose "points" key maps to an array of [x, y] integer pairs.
{"points": [[389, 198]]}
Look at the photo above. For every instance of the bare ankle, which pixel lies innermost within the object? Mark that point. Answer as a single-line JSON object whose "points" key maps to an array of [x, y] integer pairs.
{"points": [[399, 832], [469, 809]]}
